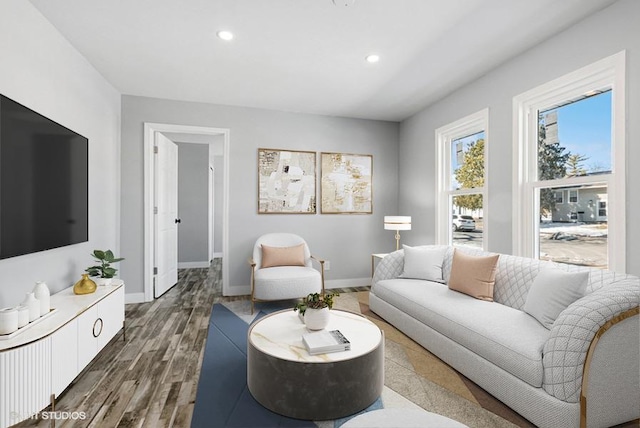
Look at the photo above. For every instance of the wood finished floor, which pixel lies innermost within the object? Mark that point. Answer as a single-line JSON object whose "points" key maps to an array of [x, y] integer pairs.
{"points": [[151, 379]]}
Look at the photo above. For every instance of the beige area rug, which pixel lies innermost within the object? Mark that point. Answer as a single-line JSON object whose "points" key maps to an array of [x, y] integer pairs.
{"points": [[415, 377]]}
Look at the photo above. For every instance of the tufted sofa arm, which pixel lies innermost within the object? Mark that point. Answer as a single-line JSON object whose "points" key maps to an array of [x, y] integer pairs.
{"points": [[389, 267], [565, 351]]}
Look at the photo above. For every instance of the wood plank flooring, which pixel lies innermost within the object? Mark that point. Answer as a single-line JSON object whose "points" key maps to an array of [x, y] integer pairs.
{"points": [[151, 379]]}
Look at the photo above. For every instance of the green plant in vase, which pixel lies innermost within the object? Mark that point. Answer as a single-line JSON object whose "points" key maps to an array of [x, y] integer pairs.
{"points": [[103, 271], [314, 310]]}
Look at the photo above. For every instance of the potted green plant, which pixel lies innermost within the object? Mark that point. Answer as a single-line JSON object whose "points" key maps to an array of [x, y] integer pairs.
{"points": [[103, 272], [314, 310]]}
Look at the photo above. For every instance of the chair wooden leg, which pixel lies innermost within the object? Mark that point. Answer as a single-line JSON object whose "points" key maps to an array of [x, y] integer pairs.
{"points": [[252, 302]]}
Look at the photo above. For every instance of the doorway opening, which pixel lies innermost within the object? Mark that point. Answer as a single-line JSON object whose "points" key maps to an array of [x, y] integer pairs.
{"points": [[218, 141]]}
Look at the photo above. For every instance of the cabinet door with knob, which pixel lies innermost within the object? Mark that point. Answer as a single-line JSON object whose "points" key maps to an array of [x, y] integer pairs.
{"points": [[98, 324], [111, 314]]}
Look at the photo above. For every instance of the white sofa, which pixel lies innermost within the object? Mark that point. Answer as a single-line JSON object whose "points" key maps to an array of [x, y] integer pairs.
{"points": [[584, 371]]}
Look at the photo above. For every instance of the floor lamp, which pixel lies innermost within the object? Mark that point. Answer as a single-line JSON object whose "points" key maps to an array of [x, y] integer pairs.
{"points": [[397, 223]]}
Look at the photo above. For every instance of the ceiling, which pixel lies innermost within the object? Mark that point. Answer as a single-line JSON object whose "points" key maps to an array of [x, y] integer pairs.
{"points": [[306, 55]]}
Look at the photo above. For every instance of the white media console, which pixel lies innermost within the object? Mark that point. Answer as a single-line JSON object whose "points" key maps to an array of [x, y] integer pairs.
{"points": [[39, 363]]}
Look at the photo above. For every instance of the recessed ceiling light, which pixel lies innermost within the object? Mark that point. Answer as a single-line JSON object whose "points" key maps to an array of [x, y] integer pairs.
{"points": [[373, 58], [225, 35]]}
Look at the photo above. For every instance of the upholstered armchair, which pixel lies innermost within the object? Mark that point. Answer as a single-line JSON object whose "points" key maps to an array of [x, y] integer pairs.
{"points": [[282, 268]]}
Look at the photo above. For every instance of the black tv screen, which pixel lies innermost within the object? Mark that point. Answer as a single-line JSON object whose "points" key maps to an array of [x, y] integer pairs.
{"points": [[43, 182]]}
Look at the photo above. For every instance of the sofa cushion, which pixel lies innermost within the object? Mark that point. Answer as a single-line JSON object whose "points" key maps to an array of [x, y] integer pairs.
{"points": [[507, 337], [423, 263], [474, 275], [282, 256], [552, 292]]}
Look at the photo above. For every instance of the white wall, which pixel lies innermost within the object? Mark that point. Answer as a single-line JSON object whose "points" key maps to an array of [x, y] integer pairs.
{"points": [[600, 35], [346, 240], [218, 190], [41, 70]]}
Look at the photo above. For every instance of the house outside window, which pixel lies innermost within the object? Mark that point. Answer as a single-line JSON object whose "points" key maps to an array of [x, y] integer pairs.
{"points": [[558, 197], [461, 164], [573, 196], [569, 163]]}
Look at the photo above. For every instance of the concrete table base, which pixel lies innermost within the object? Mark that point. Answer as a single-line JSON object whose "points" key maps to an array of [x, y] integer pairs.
{"points": [[316, 390]]}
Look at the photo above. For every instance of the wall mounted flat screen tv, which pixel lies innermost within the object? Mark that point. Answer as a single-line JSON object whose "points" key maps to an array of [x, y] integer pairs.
{"points": [[43, 182]]}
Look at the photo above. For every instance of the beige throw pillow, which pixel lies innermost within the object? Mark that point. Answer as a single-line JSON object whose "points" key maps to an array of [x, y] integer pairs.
{"points": [[282, 256], [474, 275]]}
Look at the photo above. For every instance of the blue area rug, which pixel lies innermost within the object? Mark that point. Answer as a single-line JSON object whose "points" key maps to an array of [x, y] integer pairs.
{"points": [[223, 399]]}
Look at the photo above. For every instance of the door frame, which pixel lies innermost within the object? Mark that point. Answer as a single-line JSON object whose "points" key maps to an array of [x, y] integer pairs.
{"points": [[149, 191]]}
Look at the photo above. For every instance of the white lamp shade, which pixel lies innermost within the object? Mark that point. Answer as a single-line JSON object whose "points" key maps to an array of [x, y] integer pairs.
{"points": [[397, 222]]}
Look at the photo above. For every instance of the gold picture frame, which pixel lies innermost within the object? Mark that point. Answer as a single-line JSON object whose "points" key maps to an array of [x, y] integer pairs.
{"points": [[286, 181], [346, 183]]}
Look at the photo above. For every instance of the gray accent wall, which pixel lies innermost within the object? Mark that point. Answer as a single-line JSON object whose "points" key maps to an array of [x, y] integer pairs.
{"points": [[193, 202], [346, 240], [603, 34], [41, 70]]}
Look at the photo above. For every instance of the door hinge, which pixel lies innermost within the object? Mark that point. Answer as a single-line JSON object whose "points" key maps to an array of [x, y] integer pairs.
{"points": [[155, 150], [155, 271], [155, 210]]}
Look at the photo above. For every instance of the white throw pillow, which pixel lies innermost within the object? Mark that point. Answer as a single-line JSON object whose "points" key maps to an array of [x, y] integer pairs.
{"points": [[552, 291], [424, 263]]}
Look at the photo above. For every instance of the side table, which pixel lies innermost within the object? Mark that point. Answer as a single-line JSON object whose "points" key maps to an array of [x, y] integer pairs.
{"points": [[375, 256]]}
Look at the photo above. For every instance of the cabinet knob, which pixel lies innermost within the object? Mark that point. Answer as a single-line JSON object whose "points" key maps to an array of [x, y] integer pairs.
{"points": [[98, 324]]}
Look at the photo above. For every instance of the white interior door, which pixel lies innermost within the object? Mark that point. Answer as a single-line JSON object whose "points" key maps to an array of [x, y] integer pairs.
{"points": [[166, 219]]}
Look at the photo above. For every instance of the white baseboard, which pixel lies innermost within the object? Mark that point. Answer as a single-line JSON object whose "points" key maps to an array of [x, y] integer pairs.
{"points": [[243, 290], [346, 283], [217, 255], [134, 298], [192, 265]]}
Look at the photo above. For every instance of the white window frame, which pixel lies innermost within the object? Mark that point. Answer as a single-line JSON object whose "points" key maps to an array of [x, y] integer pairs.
{"points": [[445, 135], [577, 196], [608, 73], [559, 200]]}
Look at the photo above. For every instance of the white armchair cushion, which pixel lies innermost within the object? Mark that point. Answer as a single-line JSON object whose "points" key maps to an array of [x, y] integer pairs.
{"points": [[286, 282]]}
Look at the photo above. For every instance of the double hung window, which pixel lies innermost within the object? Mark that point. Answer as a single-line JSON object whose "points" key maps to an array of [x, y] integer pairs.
{"points": [[461, 153], [569, 168]]}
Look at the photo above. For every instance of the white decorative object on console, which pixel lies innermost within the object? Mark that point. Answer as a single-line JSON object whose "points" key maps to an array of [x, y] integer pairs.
{"points": [[8, 320], [23, 315], [41, 291], [34, 306]]}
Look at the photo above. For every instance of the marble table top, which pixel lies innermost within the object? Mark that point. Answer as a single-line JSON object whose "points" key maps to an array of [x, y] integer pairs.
{"points": [[280, 335]]}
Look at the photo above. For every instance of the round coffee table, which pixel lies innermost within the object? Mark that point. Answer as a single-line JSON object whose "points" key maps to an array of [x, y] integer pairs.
{"points": [[284, 378]]}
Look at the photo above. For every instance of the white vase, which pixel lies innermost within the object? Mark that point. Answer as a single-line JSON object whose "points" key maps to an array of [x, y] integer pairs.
{"points": [[34, 306], [41, 291], [316, 319], [23, 315], [102, 281], [8, 320]]}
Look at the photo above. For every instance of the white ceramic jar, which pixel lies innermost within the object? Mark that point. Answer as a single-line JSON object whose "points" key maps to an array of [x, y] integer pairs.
{"points": [[41, 291], [23, 315], [34, 306], [316, 319], [8, 320]]}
